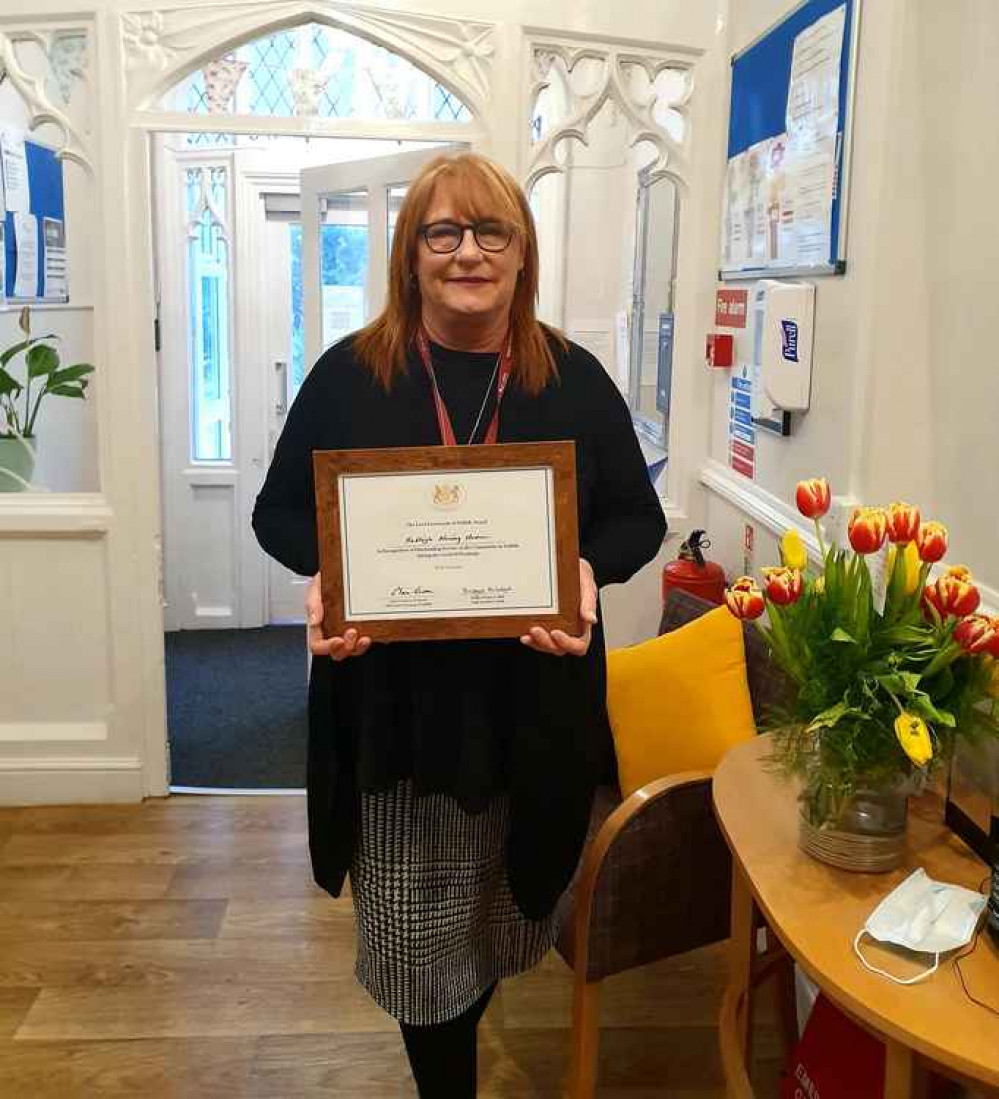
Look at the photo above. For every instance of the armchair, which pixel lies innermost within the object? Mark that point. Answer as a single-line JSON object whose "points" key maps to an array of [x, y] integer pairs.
{"points": [[655, 876]]}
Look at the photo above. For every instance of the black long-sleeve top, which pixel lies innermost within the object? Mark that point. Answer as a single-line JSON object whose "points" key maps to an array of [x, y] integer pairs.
{"points": [[470, 718]]}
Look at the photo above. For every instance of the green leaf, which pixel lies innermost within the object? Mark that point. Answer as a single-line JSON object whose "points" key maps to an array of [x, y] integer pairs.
{"points": [[67, 391], [839, 634], [70, 374], [9, 384], [17, 348], [832, 715], [42, 360], [921, 704]]}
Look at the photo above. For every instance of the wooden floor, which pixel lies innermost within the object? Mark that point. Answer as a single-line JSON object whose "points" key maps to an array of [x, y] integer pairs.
{"points": [[180, 949]]}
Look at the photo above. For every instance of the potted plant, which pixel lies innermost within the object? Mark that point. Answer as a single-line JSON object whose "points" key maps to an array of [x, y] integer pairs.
{"points": [[20, 401], [881, 682]]}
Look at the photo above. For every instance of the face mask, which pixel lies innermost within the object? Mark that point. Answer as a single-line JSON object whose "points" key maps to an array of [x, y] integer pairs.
{"points": [[923, 915]]}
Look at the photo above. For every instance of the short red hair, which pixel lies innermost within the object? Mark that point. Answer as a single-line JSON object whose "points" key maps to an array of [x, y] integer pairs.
{"points": [[482, 189]]}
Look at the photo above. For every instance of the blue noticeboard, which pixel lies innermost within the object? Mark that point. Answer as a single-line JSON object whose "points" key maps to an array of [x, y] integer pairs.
{"points": [[47, 201], [761, 77]]}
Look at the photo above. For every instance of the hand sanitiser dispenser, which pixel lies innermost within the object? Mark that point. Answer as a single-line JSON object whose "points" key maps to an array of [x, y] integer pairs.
{"points": [[784, 313]]}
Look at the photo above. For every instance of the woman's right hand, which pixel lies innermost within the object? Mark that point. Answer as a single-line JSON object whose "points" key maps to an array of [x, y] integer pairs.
{"points": [[339, 648]]}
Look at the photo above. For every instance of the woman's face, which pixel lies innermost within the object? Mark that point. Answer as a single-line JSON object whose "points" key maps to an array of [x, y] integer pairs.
{"points": [[471, 283]]}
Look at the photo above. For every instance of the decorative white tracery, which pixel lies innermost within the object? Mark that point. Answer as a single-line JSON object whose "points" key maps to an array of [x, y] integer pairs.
{"points": [[615, 87], [162, 46], [33, 90]]}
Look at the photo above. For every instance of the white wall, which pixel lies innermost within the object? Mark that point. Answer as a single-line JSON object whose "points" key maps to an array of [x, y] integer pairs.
{"points": [[905, 395], [66, 429]]}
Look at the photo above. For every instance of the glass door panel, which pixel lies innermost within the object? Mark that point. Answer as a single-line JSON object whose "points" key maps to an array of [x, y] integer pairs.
{"points": [[343, 264]]}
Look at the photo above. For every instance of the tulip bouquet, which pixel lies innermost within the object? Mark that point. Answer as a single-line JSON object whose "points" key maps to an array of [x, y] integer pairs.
{"points": [[881, 684]]}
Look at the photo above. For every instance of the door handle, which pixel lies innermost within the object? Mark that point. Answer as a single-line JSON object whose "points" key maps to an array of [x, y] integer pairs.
{"points": [[281, 370]]}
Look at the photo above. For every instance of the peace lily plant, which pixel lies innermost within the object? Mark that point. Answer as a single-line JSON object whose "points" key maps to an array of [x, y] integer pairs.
{"points": [[21, 397], [880, 691]]}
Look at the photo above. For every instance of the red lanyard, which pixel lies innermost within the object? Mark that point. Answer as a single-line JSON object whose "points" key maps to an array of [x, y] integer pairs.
{"points": [[443, 419]]}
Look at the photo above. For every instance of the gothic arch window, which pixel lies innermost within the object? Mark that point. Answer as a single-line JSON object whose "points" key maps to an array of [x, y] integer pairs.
{"points": [[314, 71]]}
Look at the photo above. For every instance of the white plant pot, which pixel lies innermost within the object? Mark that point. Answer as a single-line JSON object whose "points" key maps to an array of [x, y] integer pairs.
{"points": [[17, 463]]}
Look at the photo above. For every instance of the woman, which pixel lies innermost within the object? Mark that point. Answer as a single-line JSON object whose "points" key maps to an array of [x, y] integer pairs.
{"points": [[454, 778]]}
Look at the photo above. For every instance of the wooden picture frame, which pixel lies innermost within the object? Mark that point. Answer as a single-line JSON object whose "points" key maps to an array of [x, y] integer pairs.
{"points": [[337, 476]]}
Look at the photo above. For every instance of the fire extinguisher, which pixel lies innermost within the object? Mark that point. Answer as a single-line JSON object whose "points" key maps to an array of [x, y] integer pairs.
{"points": [[692, 573]]}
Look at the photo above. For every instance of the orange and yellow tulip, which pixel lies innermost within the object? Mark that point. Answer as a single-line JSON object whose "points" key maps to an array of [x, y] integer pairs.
{"points": [[868, 529], [813, 497], [783, 585], [744, 599], [953, 594], [978, 633], [931, 541], [903, 522]]}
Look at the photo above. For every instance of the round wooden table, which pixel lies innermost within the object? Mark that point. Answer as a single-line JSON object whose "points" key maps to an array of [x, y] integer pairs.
{"points": [[815, 911]]}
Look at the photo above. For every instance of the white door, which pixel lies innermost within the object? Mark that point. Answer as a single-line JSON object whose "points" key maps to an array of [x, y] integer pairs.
{"points": [[202, 510], [359, 198], [230, 361]]}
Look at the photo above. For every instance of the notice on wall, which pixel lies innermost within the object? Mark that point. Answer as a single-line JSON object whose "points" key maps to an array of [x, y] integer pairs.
{"points": [[26, 245], [15, 171], [779, 192], [741, 431], [731, 307], [54, 235]]}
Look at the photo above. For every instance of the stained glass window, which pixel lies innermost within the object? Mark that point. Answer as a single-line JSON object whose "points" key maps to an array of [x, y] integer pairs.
{"points": [[315, 71]]}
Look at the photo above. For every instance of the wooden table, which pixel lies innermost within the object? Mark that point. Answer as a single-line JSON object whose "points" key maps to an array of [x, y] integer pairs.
{"points": [[815, 911]]}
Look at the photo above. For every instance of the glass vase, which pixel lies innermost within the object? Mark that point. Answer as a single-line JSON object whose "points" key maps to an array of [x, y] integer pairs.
{"points": [[864, 831]]}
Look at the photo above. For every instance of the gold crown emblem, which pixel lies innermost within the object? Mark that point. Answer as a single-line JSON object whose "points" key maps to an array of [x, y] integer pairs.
{"points": [[448, 496]]}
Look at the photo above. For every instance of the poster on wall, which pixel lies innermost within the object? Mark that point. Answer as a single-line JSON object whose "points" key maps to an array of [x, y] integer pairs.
{"points": [[26, 252], [782, 201], [741, 430], [54, 276], [35, 264], [15, 171]]}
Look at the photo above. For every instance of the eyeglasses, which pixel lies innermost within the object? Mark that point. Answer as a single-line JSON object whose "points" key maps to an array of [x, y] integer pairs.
{"points": [[447, 236]]}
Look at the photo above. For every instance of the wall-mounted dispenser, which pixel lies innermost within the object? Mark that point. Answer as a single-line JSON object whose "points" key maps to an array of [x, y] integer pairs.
{"points": [[784, 321]]}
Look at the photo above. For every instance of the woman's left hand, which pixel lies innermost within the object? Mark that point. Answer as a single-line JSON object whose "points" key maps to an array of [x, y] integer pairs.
{"points": [[559, 643]]}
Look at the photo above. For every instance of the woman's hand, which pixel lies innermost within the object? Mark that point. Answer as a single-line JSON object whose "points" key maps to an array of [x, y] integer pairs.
{"points": [[339, 648], [559, 643]]}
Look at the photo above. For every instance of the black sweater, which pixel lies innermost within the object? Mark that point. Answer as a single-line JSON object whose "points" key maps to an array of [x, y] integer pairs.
{"points": [[470, 718]]}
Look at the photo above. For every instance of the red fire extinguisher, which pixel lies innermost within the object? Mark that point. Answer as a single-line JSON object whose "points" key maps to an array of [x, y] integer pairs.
{"points": [[692, 573]]}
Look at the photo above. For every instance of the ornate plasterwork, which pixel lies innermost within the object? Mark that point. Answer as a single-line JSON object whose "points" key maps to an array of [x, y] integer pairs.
{"points": [[615, 88], [162, 46], [33, 90]]}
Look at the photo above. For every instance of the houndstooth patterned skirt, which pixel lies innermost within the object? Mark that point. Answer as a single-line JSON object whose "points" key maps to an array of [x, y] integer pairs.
{"points": [[437, 923]]}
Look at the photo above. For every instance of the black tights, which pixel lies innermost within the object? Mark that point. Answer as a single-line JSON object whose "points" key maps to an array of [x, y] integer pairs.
{"points": [[443, 1056]]}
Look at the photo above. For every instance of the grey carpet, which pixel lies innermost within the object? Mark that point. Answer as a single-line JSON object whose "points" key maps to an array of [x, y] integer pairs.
{"points": [[236, 707]]}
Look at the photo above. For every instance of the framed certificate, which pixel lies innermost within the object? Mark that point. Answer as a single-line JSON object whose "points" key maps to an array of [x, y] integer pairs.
{"points": [[418, 543]]}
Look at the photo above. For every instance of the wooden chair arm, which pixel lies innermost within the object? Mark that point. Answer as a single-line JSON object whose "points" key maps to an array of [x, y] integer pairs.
{"points": [[596, 852]]}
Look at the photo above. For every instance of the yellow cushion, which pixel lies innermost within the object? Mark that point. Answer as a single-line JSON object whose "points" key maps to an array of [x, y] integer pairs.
{"points": [[680, 701]]}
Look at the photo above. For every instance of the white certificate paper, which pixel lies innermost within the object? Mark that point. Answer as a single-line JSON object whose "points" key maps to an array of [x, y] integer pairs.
{"points": [[448, 544]]}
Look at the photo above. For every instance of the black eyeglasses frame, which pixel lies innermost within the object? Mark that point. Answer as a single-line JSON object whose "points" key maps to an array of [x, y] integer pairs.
{"points": [[474, 226]]}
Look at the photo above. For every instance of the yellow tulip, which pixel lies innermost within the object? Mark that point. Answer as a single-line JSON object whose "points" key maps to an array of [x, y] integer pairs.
{"points": [[792, 551], [910, 555], [914, 737]]}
